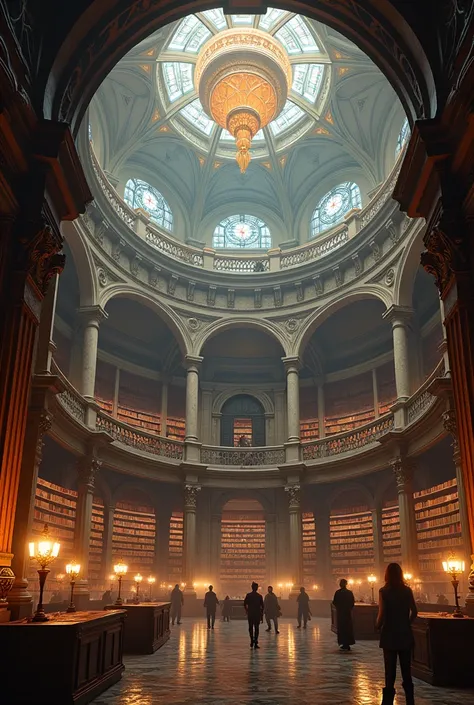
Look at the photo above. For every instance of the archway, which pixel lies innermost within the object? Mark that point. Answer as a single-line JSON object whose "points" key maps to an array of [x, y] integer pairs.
{"points": [[242, 422], [243, 544]]}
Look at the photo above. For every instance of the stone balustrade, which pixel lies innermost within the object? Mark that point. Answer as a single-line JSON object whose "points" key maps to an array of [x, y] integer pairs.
{"points": [[139, 440], [73, 402], [419, 403], [349, 441], [242, 457]]}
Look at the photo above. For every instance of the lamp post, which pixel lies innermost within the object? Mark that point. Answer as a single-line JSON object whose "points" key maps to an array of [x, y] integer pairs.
{"points": [[138, 579], [454, 567], [151, 582], [120, 570], [44, 551], [72, 569], [371, 579], [112, 577]]}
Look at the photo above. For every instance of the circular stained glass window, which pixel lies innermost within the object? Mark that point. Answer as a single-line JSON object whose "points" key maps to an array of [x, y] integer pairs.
{"points": [[139, 194], [332, 208], [238, 231]]}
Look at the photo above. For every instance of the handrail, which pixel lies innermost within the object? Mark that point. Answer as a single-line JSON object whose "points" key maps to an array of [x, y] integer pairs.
{"points": [[421, 400], [70, 399], [242, 457], [138, 439], [359, 437]]}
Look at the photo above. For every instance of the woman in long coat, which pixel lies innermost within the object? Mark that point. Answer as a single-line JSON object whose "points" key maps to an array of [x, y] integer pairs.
{"points": [[344, 603]]}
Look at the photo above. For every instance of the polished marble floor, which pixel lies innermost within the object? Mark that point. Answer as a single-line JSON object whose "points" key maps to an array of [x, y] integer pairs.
{"points": [[296, 667]]}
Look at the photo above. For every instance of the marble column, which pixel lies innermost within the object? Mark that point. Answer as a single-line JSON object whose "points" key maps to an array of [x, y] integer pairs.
{"points": [[403, 470], [191, 439], [164, 545], [292, 408], [270, 550], [379, 562], [107, 555], [189, 538], [216, 540], [164, 408], [323, 549], [399, 317], [91, 318], [87, 468], [296, 535]]}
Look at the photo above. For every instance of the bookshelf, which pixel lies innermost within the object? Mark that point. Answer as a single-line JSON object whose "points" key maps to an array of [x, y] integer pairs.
{"points": [[175, 557], [438, 528], [339, 424], [175, 429], [145, 420], [309, 429], [352, 542], [242, 549], [96, 543], [309, 547], [133, 537], [392, 550], [242, 427], [105, 405]]}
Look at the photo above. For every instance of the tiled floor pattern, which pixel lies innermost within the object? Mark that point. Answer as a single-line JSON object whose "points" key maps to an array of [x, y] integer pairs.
{"points": [[297, 667]]}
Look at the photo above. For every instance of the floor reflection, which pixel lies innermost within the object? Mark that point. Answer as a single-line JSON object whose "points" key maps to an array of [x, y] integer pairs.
{"points": [[296, 667]]}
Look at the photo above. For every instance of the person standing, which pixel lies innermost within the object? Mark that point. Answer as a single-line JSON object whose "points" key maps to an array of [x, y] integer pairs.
{"points": [[177, 602], [210, 603], [271, 609], [253, 605], [397, 611], [344, 601], [304, 612], [226, 609]]}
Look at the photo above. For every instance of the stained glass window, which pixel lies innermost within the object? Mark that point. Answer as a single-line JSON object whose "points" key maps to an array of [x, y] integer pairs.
{"points": [[217, 18], [296, 36], [403, 136], [290, 114], [194, 114], [270, 18], [239, 231], [332, 208], [190, 35], [139, 194], [307, 80], [178, 79], [242, 19]]}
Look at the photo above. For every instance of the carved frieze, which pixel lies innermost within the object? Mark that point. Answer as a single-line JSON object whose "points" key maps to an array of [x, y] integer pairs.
{"points": [[230, 298], [376, 250], [153, 276], [277, 296], [318, 285], [117, 250], [299, 291], [135, 264], [190, 290], [358, 265], [173, 280], [211, 295], [258, 298], [338, 275]]}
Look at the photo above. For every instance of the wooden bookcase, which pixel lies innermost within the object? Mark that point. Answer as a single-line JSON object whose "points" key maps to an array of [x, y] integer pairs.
{"points": [[242, 550], [96, 544], [309, 429], [142, 419], [339, 424], [242, 427], [391, 533], [309, 548], [133, 537], [352, 543], [175, 556], [438, 528]]}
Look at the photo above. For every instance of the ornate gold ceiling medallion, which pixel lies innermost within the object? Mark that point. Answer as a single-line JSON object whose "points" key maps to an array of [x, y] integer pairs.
{"points": [[243, 77]]}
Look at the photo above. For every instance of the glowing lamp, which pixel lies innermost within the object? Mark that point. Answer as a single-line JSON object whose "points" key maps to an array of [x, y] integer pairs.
{"points": [[454, 567], [45, 550], [72, 569], [120, 570], [371, 579]]}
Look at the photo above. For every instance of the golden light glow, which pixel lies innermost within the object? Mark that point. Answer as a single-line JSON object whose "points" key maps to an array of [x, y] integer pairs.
{"points": [[45, 550], [120, 568], [73, 569], [371, 579], [242, 76], [138, 578], [453, 566], [151, 580]]}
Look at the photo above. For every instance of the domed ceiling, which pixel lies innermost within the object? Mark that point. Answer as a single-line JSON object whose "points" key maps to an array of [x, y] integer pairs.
{"points": [[340, 124]]}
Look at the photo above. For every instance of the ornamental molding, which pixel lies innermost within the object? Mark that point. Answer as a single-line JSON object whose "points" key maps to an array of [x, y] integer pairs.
{"points": [[294, 496], [190, 496], [105, 275], [403, 470]]}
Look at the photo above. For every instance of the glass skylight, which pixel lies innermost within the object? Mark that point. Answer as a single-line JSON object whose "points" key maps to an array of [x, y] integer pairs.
{"points": [[217, 18], [307, 80], [296, 37], [190, 35], [403, 136], [194, 114], [270, 18], [227, 137], [178, 79], [290, 114], [242, 19]]}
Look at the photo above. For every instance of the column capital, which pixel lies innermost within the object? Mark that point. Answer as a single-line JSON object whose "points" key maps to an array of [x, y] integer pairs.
{"points": [[190, 496], [92, 315], [87, 469], [291, 363], [403, 468], [294, 496], [193, 362], [398, 315]]}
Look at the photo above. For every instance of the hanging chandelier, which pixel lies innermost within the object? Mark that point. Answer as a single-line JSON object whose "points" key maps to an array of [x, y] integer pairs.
{"points": [[242, 77]]}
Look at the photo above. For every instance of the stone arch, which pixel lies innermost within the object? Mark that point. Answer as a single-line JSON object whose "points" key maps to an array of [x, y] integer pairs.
{"points": [[374, 291], [225, 324], [407, 270], [348, 487], [104, 32], [218, 502], [264, 399], [88, 287], [162, 310]]}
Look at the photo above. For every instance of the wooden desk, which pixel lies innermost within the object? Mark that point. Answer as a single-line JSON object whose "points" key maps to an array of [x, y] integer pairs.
{"points": [[69, 660], [364, 617], [443, 653], [147, 627]]}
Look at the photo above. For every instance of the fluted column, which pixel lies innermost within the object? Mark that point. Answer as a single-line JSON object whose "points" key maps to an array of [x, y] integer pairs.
{"points": [[379, 562], [191, 439], [91, 318], [399, 317], [296, 535], [403, 470], [270, 549], [87, 469], [189, 538]]}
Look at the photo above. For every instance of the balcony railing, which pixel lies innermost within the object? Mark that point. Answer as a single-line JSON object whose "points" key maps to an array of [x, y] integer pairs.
{"points": [[139, 440], [349, 440], [242, 457], [419, 403], [70, 399]]}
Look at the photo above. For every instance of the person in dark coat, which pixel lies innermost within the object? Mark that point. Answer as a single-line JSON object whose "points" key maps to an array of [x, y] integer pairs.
{"points": [[304, 613], [253, 604], [210, 603], [226, 609], [271, 609], [177, 602], [397, 611], [343, 601]]}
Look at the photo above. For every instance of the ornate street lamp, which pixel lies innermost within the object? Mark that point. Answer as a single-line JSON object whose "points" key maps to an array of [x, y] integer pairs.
{"points": [[138, 579], [454, 567], [371, 579], [72, 569], [120, 570], [151, 582], [45, 550]]}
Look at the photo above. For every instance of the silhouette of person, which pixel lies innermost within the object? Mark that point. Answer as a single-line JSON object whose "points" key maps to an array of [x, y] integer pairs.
{"points": [[271, 609], [210, 603], [253, 604], [107, 597], [397, 611], [303, 608], [344, 601], [177, 602], [226, 609]]}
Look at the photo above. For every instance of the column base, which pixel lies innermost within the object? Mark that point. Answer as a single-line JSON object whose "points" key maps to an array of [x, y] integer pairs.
{"points": [[292, 451], [20, 600], [192, 451]]}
